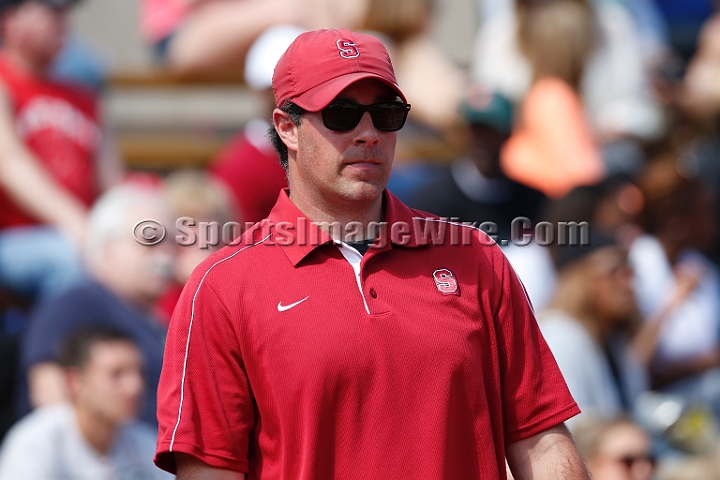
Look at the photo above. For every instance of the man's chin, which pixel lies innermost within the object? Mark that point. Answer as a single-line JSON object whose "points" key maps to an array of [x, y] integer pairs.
{"points": [[365, 191]]}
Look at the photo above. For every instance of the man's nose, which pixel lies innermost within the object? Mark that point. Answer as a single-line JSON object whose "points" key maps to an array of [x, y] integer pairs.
{"points": [[366, 133]]}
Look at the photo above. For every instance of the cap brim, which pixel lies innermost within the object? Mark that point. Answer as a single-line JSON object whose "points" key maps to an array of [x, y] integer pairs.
{"points": [[319, 97]]}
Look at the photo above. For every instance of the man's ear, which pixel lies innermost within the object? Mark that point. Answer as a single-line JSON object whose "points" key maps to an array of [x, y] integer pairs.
{"points": [[286, 129]]}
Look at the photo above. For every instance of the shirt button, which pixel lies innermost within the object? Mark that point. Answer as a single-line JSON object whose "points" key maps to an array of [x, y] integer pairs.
{"points": [[373, 293]]}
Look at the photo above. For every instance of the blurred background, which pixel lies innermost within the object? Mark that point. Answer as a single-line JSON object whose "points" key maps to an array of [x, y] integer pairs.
{"points": [[585, 133], [164, 120]]}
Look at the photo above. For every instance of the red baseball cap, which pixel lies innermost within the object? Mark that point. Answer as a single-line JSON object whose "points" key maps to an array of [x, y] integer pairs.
{"points": [[320, 64]]}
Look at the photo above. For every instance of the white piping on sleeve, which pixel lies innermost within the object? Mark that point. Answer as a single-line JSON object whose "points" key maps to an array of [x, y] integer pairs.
{"points": [[187, 344], [354, 258]]}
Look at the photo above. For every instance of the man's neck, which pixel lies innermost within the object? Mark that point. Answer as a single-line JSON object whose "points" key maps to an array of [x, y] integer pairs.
{"points": [[98, 432], [346, 222], [24, 64]]}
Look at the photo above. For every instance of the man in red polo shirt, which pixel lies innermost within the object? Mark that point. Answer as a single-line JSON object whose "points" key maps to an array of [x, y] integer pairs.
{"points": [[306, 353]]}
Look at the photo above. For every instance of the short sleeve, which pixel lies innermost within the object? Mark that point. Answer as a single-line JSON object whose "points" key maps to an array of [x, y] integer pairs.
{"points": [[535, 396], [205, 405]]}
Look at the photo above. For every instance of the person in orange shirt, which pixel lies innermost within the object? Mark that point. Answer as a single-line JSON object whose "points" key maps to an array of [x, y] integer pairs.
{"points": [[553, 148]]}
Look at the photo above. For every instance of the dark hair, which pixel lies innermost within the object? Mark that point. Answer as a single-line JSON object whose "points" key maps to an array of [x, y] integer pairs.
{"points": [[296, 114], [75, 350], [667, 193]]}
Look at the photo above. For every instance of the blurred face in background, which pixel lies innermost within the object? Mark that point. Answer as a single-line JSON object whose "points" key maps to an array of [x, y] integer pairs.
{"points": [[109, 386], [617, 210], [612, 293], [137, 273], [623, 453], [35, 30], [485, 144]]}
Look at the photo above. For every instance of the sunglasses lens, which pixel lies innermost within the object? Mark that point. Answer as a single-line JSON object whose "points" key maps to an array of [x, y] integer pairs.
{"points": [[389, 117], [386, 117], [341, 116]]}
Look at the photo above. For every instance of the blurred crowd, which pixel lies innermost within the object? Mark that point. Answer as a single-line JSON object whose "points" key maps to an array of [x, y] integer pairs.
{"points": [[572, 113]]}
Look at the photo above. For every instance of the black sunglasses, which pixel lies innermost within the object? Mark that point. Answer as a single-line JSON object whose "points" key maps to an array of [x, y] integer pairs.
{"points": [[343, 115]]}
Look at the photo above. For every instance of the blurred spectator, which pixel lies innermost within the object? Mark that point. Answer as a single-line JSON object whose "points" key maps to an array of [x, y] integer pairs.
{"points": [[614, 84], [473, 188], [695, 467], [91, 437], [428, 76], [552, 148], [54, 158], [249, 166], [679, 219], [615, 449], [698, 143], [126, 280], [697, 156], [618, 202], [701, 95], [610, 206], [206, 36], [197, 196], [588, 326], [646, 14]]}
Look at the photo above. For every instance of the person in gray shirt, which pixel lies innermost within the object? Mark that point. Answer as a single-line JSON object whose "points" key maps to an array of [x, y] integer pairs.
{"points": [[94, 436]]}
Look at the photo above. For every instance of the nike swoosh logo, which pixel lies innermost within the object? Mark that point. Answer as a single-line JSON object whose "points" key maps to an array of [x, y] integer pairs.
{"points": [[282, 308]]}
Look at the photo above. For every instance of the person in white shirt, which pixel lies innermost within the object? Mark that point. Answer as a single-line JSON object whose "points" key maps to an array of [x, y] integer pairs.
{"points": [[679, 220], [588, 327], [94, 436]]}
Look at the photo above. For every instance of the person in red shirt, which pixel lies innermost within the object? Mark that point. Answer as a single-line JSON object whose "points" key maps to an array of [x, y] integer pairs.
{"points": [[345, 336], [53, 160]]}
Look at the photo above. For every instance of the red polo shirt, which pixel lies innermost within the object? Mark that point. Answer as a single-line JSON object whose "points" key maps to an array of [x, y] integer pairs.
{"points": [[279, 363], [59, 124]]}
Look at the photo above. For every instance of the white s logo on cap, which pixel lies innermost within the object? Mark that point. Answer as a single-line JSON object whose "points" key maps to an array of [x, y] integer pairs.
{"points": [[347, 48]]}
